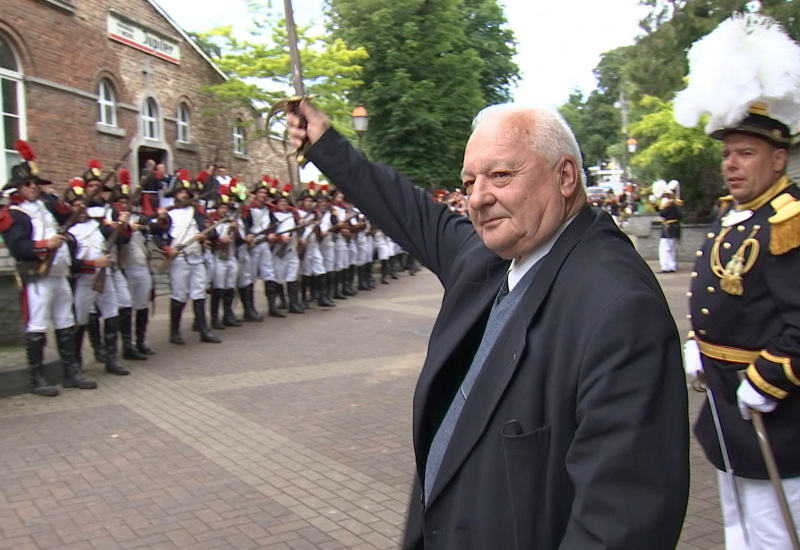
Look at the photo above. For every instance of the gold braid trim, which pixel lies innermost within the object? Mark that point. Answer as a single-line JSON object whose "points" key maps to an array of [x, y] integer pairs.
{"points": [[731, 275], [770, 193], [784, 224], [755, 377], [787, 366], [726, 353]]}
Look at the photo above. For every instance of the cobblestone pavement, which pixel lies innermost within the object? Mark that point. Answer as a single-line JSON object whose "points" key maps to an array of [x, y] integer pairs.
{"points": [[292, 433]]}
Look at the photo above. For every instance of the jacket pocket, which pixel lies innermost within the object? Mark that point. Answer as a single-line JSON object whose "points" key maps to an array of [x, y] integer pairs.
{"points": [[526, 459]]}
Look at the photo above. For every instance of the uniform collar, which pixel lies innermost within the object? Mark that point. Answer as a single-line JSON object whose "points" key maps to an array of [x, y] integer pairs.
{"points": [[770, 193]]}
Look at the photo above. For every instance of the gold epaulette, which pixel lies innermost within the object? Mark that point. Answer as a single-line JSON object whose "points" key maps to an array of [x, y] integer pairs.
{"points": [[784, 224]]}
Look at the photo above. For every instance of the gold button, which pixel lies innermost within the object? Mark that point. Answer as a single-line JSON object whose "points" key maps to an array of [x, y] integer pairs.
{"points": [[689, 294], [694, 274], [726, 246], [740, 228], [698, 253], [710, 289], [688, 316], [710, 235], [701, 332], [756, 227], [704, 311]]}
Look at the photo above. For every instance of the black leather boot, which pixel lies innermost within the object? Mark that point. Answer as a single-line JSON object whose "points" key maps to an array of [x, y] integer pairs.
{"points": [[393, 267], [347, 282], [323, 298], [73, 377], [368, 275], [110, 334], [142, 317], [34, 346], [281, 296], [271, 288], [248, 302], [216, 322], [229, 318], [96, 339], [338, 282], [384, 271], [80, 330], [305, 283], [125, 329], [200, 316], [175, 311], [294, 299]]}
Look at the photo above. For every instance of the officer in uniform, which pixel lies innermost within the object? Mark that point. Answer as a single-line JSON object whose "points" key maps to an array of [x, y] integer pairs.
{"points": [[671, 214], [284, 248], [226, 266], [30, 229], [745, 299]]}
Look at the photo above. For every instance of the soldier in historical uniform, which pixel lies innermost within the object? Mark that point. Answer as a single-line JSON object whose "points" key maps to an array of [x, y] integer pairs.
{"points": [[260, 232], [745, 299], [671, 213], [327, 244], [284, 248], [134, 260], [31, 231], [178, 233], [226, 265], [96, 277]]}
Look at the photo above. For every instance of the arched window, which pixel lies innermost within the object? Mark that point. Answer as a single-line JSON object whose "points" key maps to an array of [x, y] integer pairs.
{"points": [[182, 117], [150, 119], [238, 137], [11, 106], [106, 103]]}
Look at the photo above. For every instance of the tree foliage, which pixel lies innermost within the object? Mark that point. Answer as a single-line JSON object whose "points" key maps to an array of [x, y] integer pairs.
{"points": [[432, 65], [259, 67]]}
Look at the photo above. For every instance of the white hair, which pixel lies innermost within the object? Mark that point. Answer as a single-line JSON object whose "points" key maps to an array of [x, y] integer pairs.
{"points": [[551, 136]]}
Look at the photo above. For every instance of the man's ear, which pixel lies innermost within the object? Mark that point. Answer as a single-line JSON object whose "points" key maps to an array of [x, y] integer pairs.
{"points": [[779, 160], [568, 177]]}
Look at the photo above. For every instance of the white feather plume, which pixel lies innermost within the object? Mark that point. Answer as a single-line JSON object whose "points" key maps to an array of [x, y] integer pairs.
{"points": [[746, 59]]}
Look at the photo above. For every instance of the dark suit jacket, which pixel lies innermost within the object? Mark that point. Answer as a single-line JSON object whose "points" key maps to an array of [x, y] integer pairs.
{"points": [[575, 434]]}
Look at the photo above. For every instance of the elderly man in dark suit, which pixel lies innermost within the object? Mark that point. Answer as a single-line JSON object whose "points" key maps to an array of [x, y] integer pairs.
{"points": [[551, 411]]}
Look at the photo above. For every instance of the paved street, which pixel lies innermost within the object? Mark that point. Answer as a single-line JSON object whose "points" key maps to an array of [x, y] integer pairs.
{"points": [[293, 433]]}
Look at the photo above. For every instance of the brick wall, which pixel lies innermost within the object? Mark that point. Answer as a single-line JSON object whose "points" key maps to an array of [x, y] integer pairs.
{"points": [[70, 48]]}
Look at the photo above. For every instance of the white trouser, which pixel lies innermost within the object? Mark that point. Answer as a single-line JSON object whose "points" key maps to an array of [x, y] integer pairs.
{"points": [[352, 252], [121, 286], [312, 263], [668, 254], [286, 268], [246, 267], [140, 284], [225, 273], [87, 299], [762, 514], [328, 250], [48, 298], [187, 278], [263, 262], [342, 253]]}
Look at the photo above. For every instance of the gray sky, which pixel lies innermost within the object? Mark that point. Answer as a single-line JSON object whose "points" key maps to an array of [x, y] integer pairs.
{"points": [[560, 41]]}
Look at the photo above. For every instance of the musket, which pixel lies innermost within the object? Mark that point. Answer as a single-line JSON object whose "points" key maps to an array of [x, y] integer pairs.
{"points": [[99, 280], [180, 247], [279, 249], [113, 171], [47, 262]]}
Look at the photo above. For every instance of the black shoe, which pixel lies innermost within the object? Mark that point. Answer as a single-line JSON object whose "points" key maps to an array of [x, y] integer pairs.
{"points": [[176, 338], [142, 318], [34, 346], [133, 354], [200, 318], [110, 332]]}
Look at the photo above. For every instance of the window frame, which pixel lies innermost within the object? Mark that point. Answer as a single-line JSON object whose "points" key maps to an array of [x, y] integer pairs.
{"points": [[183, 122], [239, 137], [106, 100], [151, 120]]}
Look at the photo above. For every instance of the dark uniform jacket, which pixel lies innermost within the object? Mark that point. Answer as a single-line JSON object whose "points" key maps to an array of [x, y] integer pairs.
{"points": [[766, 316], [575, 433], [671, 216]]}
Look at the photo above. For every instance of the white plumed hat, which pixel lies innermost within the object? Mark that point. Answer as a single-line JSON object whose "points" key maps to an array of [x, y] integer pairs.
{"points": [[745, 75]]}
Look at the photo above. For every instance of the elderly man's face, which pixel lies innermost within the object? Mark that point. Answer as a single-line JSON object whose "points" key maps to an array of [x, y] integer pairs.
{"points": [[750, 165], [515, 199]]}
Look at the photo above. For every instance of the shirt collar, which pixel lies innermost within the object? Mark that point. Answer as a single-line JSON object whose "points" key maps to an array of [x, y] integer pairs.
{"points": [[517, 270]]}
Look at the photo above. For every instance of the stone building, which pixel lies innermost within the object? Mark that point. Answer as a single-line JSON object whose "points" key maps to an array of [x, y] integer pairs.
{"points": [[105, 78]]}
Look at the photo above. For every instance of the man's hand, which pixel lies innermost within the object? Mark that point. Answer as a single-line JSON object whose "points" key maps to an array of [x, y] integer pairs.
{"points": [[316, 125], [55, 241], [102, 261], [748, 398]]}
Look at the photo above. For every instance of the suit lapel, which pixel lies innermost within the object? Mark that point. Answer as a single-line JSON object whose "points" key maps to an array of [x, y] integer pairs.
{"points": [[505, 356]]}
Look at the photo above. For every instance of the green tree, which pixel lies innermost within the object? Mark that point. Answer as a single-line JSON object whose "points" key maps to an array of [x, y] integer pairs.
{"points": [[668, 151], [259, 67], [424, 79]]}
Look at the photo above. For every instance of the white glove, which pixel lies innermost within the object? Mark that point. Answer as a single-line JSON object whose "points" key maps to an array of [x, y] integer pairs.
{"points": [[748, 398], [692, 361]]}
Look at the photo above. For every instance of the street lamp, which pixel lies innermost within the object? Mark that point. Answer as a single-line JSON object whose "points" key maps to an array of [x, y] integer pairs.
{"points": [[632, 145], [360, 121]]}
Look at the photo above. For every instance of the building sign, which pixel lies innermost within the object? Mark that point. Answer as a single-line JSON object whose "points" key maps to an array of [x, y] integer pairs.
{"points": [[142, 39]]}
